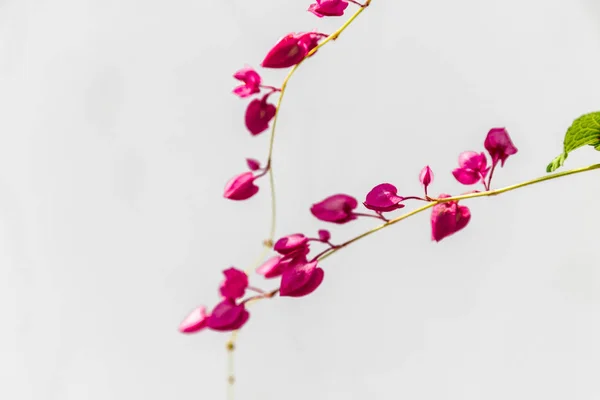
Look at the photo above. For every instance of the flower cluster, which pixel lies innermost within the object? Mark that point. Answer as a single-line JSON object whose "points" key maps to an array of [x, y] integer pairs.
{"points": [[230, 314], [299, 277], [300, 274], [473, 166], [287, 52], [447, 217]]}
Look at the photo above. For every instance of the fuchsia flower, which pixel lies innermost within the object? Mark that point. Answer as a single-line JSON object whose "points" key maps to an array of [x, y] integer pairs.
{"points": [[301, 279], [253, 165], [235, 283], [228, 316], [324, 235], [328, 8], [291, 49], [383, 198], [426, 177], [195, 321], [499, 145], [293, 249], [241, 187], [473, 168], [258, 115], [337, 209], [448, 218], [291, 243], [251, 80]]}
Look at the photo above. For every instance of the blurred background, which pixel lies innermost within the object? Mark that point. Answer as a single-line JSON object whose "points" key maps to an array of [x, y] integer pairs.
{"points": [[118, 131]]}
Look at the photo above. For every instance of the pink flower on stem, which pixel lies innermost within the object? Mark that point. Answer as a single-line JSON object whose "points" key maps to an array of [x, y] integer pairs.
{"points": [[324, 235], [472, 168], [291, 49], [426, 177], [251, 80], [448, 218], [383, 198], [291, 243], [195, 321], [241, 187], [499, 145], [301, 279], [275, 266], [338, 209], [328, 8], [258, 115], [228, 316], [235, 283], [253, 165]]}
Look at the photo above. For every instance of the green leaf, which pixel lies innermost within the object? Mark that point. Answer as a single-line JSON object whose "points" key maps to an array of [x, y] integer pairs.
{"points": [[585, 130]]}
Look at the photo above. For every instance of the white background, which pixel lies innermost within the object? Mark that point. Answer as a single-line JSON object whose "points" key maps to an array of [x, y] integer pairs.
{"points": [[118, 132]]}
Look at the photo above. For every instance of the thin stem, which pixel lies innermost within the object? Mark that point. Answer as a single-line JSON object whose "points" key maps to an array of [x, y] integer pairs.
{"points": [[378, 228], [324, 252], [482, 180], [462, 197], [255, 289], [230, 366], [329, 38], [415, 198], [273, 89], [378, 216], [323, 255], [272, 230], [489, 184]]}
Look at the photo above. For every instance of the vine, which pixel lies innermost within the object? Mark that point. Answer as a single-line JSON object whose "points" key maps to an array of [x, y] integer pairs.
{"points": [[299, 272]]}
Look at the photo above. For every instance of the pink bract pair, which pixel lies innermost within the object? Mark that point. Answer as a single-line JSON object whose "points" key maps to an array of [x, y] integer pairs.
{"points": [[259, 112], [288, 51], [227, 315], [473, 166], [450, 217], [299, 277], [328, 8]]}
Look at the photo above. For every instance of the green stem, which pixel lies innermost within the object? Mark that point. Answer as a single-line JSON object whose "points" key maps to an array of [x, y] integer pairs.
{"points": [[457, 198], [329, 38], [269, 241]]}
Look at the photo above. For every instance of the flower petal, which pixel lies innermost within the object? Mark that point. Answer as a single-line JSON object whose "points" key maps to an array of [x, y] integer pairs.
{"points": [[195, 321]]}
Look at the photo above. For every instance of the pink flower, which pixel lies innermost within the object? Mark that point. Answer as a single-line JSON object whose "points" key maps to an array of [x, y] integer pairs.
{"points": [[324, 235], [290, 243], [227, 316], [472, 168], [337, 209], [258, 115], [253, 165], [383, 198], [499, 145], [426, 177], [448, 218], [328, 8], [241, 187], [251, 80], [195, 321], [271, 268], [291, 49], [301, 279], [235, 283]]}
